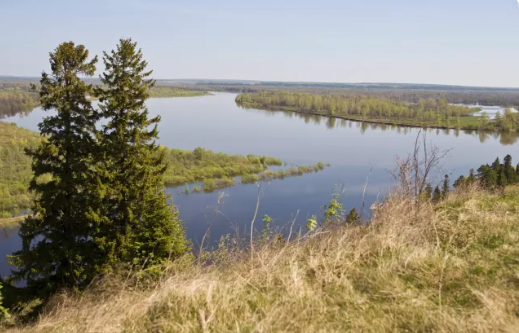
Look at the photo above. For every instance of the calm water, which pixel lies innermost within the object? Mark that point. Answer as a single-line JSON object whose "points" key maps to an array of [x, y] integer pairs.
{"points": [[352, 148]]}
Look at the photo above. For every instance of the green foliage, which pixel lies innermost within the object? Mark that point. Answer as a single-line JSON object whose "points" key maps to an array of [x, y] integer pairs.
{"points": [[183, 167], [352, 217], [334, 210], [16, 100], [311, 223], [265, 231], [16, 174], [3, 311], [214, 184], [57, 241], [200, 165], [492, 176], [437, 194], [433, 112], [137, 225], [446, 186], [166, 92], [461, 181]]}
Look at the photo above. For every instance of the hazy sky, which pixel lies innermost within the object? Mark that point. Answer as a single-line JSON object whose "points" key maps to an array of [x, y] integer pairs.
{"points": [[469, 42]]}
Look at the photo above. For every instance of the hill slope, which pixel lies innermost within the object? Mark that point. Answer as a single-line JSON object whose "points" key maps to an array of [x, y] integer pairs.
{"points": [[452, 267]]}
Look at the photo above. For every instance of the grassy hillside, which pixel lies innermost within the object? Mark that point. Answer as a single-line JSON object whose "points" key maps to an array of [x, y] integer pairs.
{"points": [[451, 267]]}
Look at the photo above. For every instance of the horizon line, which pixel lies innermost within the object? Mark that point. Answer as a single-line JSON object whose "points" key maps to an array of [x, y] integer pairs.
{"points": [[296, 82]]}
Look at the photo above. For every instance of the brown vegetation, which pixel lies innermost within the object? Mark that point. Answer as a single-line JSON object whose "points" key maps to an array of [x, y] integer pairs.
{"points": [[449, 267]]}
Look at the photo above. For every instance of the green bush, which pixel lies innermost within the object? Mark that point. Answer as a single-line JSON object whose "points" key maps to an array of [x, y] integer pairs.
{"points": [[3, 311]]}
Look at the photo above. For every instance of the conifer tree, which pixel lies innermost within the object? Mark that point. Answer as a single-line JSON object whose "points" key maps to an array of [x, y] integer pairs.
{"points": [[471, 178], [57, 247], [496, 166], [437, 195], [488, 176], [446, 186], [461, 181], [353, 216], [502, 181], [141, 227], [428, 191], [509, 170]]}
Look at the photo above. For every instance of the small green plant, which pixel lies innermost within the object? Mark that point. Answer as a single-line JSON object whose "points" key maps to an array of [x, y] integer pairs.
{"points": [[311, 223], [352, 217], [265, 232], [334, 210]]}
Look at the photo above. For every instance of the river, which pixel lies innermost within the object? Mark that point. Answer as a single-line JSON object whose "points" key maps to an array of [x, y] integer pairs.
{"points": [[352, 148]]}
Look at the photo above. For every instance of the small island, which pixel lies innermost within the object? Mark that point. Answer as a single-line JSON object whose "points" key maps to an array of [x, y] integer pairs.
{"points": [[169, 92], [427, 113]]}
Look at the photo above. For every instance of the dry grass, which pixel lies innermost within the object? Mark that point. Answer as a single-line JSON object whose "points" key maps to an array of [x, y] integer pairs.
{"points": [[449, 268]]}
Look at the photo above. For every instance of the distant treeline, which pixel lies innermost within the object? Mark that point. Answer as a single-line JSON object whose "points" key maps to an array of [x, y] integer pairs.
{"points": [[428, 112], [501, 97], [17, 97], [16, 100], [167, 92], [364, 86]]}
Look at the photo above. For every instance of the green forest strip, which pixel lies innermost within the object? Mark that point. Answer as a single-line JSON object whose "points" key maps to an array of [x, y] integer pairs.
{"points": [[16, 99], [214, 170], [168, 92], [431, 113]]}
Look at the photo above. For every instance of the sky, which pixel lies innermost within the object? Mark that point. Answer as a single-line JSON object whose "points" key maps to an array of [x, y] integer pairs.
{"points": [[460, 42]]}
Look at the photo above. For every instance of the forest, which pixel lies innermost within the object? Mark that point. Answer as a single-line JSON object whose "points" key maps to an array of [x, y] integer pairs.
{"points": [[167, 92], [506, 97], [15, 168], [19, 98], [15, 100], [425, 113]]}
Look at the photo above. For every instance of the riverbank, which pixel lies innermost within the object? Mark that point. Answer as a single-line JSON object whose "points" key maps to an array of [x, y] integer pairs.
{"points": [[215, 170], [430, 113], [359, 118], [169, 92], [448, 267]]}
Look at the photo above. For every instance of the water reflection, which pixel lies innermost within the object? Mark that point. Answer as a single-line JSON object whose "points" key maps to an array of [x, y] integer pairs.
{"points": [[11, 112], [505, 138]]}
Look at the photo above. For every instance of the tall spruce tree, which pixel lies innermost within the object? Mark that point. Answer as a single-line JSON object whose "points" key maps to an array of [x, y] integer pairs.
{"points": [[496, 166], [57, 245], [446, 186], [509, 170], [141, 227], [437, 195]]}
